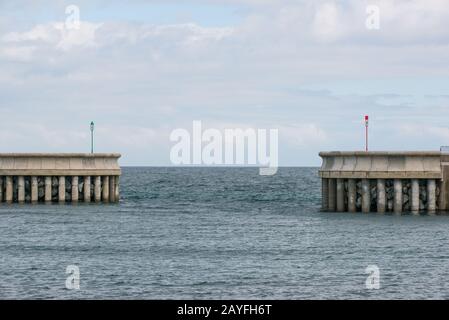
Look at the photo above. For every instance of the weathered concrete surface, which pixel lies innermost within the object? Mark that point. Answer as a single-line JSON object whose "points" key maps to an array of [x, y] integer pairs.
{"points": [[415, 196], [397, 196], [59, 164], [97, 191], [340, 195], [34, 189], [431, 196], [105, 195], [75, 189], [332, 205], [381, 196], [366, 196], [352, 193], [48, 189]]}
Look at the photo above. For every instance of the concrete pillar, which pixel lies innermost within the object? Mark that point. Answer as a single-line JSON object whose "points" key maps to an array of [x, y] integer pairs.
{"points": [[366, 196], [61, 189], [112, 189], [105, 195], [332, 195], [75, 194], [34, 189], [352, 194], [441, 197], [340, 195], [324, 194], [381, 196], [47, 189], [97, 190], [117, 188], [87, 189], [9, 194], [397, 196], [1, 189], [414, 201], [431, 196], [21, 189]]}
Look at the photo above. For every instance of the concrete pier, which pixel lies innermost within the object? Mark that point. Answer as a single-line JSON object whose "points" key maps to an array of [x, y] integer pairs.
{"points": [[431, 196], [397, 196], [97, 191], [21, 189], [393, 182], [352, 194], [414, 207], [48, 189], [9, 189], [381, 196], [111, 189], [366, 196], [105, 195], [34, 189], [332, 205], [59, 177], [87, 193], [340, 195], [61, 190], [75, 189]]}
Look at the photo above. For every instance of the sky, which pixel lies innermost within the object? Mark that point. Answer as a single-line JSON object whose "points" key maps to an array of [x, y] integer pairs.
{"points": [[141, 69]]}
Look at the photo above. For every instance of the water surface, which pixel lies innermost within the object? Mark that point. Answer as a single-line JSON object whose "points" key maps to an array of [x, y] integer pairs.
{"points": [[219, 233]]}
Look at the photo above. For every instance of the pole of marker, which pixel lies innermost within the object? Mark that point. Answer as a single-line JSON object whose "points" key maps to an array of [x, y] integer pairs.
{"points": [[366, 133]]}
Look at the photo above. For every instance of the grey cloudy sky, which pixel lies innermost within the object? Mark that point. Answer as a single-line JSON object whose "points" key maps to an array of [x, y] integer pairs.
{"points": [[309, 68]]}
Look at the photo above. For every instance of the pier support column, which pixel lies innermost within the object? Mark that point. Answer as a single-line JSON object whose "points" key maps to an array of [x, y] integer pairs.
{"points": [[442, 196], [75, 186], [1, 189], [381, 196], [61, 189], [324, 194], [9, 194], [112, 189], [340, 195], [48, 189], [397, 196], [87, 189], [21, 189], [97, 190], [352, 194], [34, 190], [105, 195], [431, 196], [117, 188], [332, 195], [414, 201], [366, 196]]}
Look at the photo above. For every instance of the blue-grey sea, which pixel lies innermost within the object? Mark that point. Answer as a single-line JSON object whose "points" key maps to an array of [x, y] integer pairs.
{"points": [[219, 233]]}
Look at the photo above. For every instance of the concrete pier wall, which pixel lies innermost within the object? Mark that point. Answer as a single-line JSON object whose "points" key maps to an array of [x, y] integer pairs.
{"points": [[59, 178], [382, 182]]}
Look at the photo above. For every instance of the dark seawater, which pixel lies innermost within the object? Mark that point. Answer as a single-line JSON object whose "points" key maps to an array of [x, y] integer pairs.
{"points": [[217, 233]]}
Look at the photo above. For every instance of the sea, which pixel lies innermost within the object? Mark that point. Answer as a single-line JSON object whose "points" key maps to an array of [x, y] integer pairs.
{"points": [[219, 233]]}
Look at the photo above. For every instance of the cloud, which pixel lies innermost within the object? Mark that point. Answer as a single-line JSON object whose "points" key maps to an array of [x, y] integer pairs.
{"points": [[140, 80], [56, 35], [303, 135]]}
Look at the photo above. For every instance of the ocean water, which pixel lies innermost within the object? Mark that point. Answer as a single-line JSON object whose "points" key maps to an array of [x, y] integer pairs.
{"points": [[219, 233]]}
